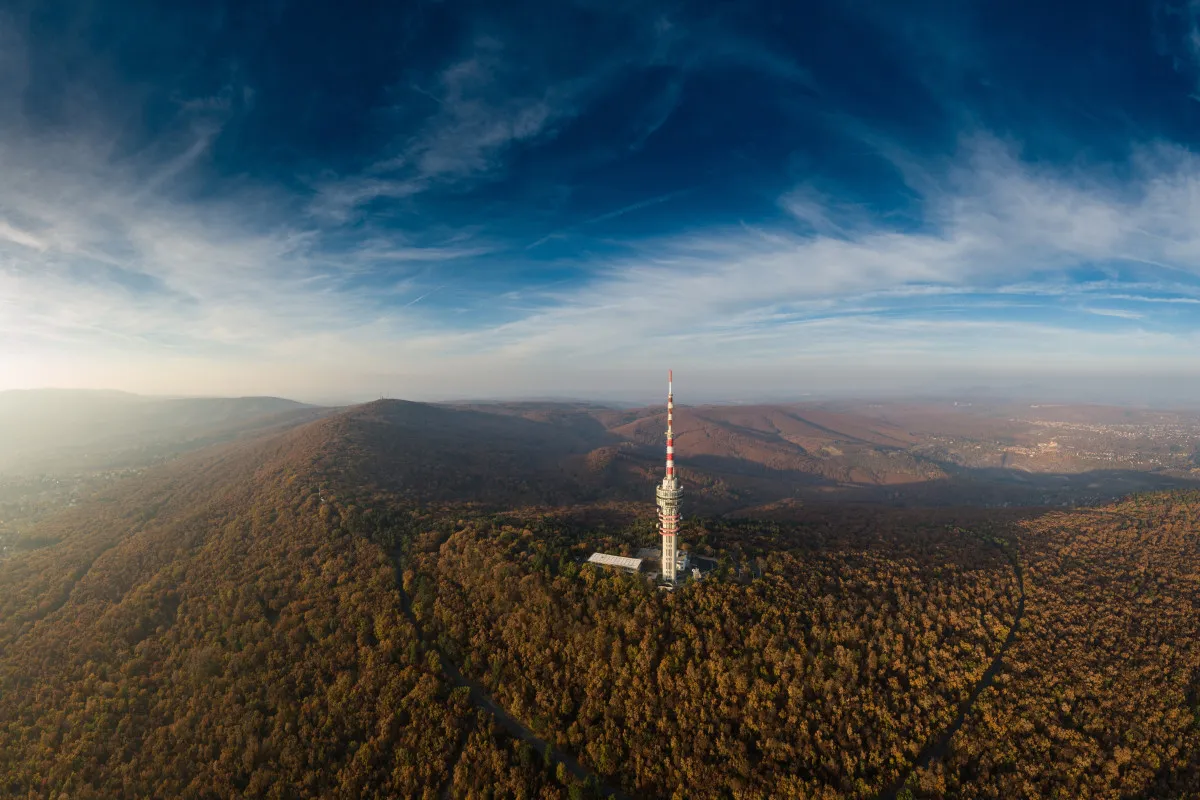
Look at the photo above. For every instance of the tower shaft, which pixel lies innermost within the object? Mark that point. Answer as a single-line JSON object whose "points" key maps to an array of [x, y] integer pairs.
{"points": [[669, 494]]}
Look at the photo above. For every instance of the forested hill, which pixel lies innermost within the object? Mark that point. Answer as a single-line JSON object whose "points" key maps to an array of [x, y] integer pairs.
{"points": [[212, 629], [429, 452], [290, 617]]}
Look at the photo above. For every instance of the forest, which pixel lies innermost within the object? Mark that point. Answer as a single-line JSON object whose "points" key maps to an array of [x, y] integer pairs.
{"points": [[214, 631], [1100, 694], [293, 616], [850, 667], [821, 678]]}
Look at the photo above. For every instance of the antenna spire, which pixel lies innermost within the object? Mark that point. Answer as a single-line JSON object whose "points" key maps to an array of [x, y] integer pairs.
{"points": [[670, 423]]}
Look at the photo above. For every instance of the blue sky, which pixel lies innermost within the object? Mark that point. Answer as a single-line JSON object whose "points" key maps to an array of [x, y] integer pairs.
{"points": [[552, 198]]}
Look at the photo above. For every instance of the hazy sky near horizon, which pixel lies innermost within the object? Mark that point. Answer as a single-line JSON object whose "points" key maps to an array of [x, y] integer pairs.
{"points": [[447, 199]]}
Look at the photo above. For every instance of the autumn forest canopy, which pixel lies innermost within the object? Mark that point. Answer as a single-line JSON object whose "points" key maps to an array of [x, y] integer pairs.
{"points": [[392, 601], [924, 522]]}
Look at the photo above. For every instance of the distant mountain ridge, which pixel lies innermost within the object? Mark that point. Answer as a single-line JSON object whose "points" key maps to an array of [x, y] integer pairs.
{"points": [[936, 452], [783, 444], [56, 429], [730, 457]]}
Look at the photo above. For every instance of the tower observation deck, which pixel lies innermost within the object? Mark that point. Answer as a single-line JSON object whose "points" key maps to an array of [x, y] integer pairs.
{"points": [[669, 494]]}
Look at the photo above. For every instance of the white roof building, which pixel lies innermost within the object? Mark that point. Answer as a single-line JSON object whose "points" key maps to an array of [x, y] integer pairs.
{"points": [[620, 562]]}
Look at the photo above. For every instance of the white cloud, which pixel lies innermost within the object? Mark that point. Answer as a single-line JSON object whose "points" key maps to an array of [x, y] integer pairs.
{"points": [[124, 282], [9, 233], [120, 274], [996, 226], [480, 114], [1115, 312], [107, 279]]}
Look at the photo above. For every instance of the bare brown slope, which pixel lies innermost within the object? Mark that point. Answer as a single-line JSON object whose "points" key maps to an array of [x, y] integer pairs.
{"points": [[729, 455], [802, 445], [921, 420], [800, 427]]}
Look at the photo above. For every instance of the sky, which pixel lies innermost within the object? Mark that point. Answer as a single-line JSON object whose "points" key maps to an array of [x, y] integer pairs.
{"points": [[435, 200]]}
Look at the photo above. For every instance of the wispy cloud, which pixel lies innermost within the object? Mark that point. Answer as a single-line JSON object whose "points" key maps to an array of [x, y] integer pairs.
{"points": [[620, 212], [121, 270], [419, 298], [114, 271], [996, 227], [481, 112], [132, 263], [9, 233], [1115, 312]]}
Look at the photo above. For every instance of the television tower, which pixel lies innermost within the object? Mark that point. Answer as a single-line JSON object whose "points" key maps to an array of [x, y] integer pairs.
{"points": [[669, 493]]}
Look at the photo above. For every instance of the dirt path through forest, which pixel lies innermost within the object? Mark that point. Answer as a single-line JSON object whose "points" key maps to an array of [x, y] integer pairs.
{"points": [[935, 749], [482, 700], [64, 596]]}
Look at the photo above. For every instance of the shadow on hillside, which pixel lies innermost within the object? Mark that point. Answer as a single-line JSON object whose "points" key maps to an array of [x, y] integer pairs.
{"points": [[489, 429], [505, 457], [757, 483], [732, 465], [441, 453], [576, 421], [994, 487]]}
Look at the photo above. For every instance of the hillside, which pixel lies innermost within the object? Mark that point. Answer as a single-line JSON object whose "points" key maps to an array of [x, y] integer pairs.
{"points": [[934, 453], [212, 629], [68, 431], [429, 452], [343, 609], [758, 439]]}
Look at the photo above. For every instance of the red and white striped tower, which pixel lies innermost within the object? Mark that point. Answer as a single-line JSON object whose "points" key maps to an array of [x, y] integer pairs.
{"points": [[669, 493]]}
